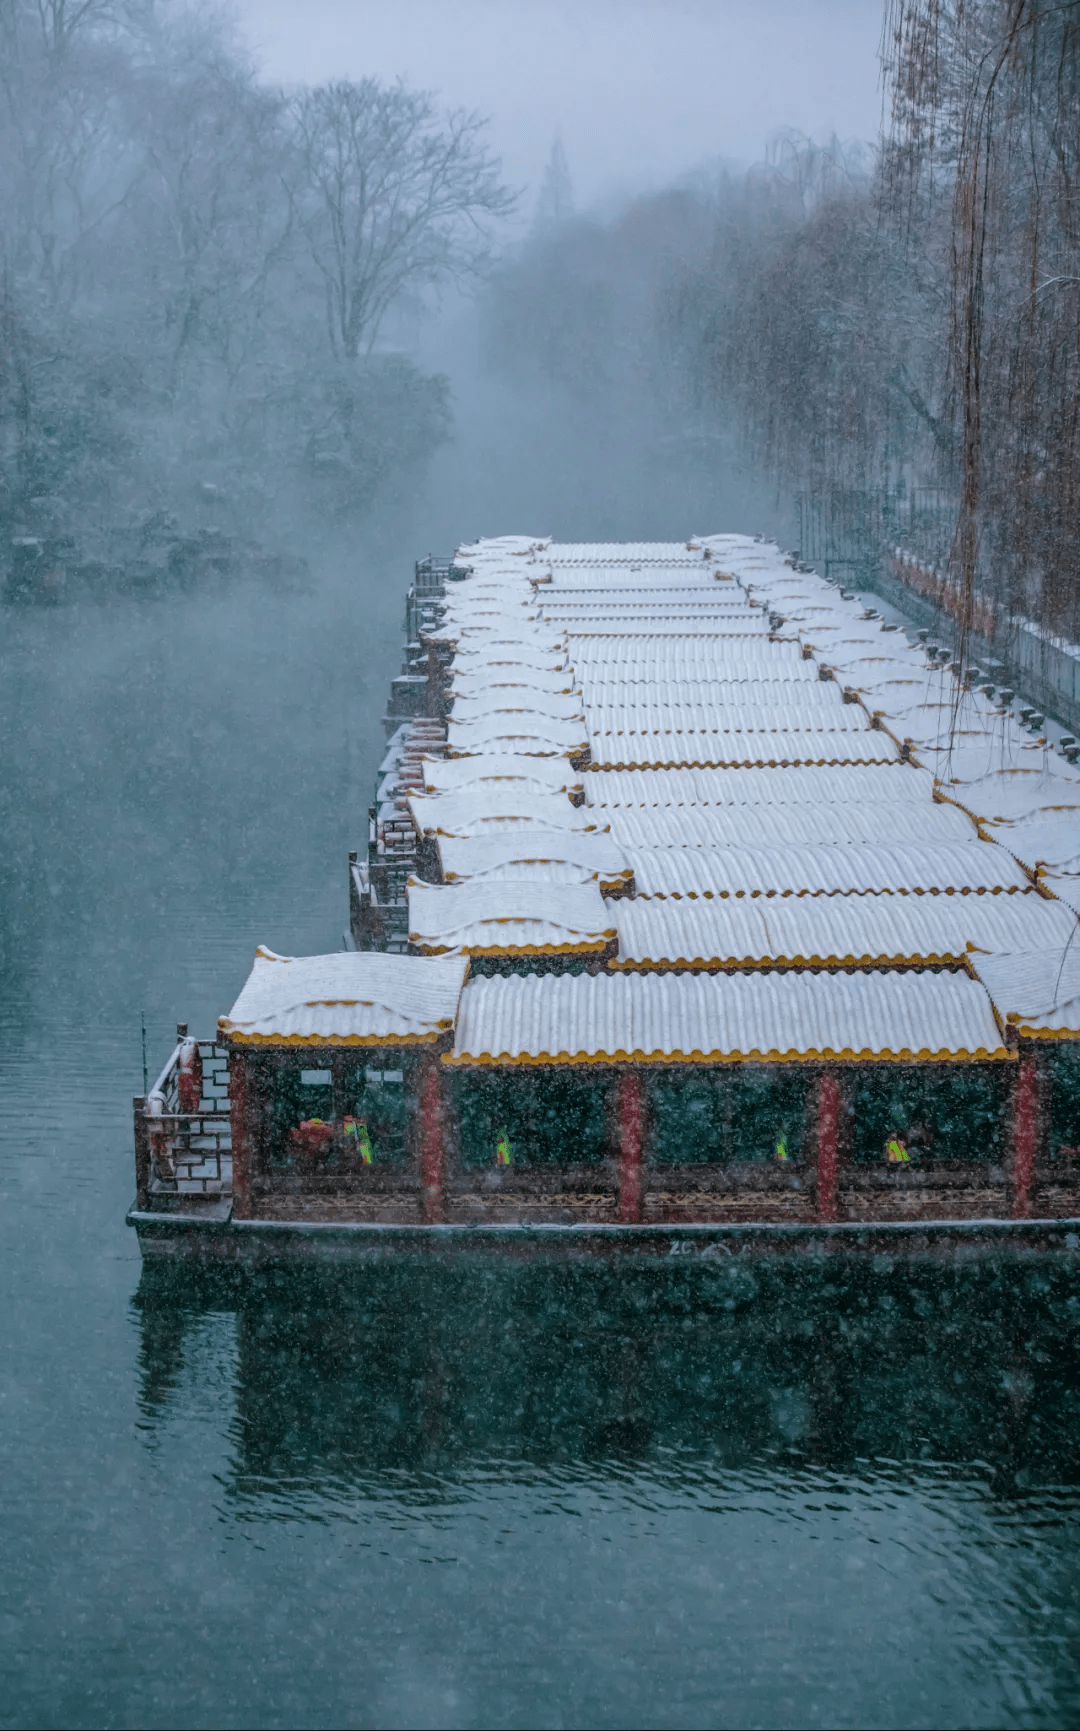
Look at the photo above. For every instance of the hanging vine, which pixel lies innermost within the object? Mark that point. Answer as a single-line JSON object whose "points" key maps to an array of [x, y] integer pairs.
{"points": [[986, 108]]}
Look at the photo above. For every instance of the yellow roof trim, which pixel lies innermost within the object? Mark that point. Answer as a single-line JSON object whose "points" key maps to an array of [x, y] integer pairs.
{"points": [[1028, 1033], [238, 1039], [737, 762], [732, 964], [592, 946], [795, 895], [609, 879], [905, 1056]]}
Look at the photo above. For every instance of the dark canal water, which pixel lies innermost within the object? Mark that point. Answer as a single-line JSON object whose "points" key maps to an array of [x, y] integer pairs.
{"points": [[724, 1492]]}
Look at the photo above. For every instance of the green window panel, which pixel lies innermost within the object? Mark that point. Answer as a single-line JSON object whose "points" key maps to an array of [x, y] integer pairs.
{"points": [[928, 1112], [375, 1100], [365, 1122], [1063, 1075], [297, 1098], [746, 1112], [531, 1118]]}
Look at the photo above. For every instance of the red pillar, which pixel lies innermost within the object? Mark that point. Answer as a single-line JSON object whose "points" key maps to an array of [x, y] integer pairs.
{"points": [[142, 1152], [239, 1100], [828, 1122], [1025, 1117], [431, 1141], [631, 1139]]}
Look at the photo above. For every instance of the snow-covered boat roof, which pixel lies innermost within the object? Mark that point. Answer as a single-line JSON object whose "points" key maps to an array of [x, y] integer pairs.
{"points": [[603, 629], [526, 734], [506, 769], [1050, 839], [764, 749], [1011, 792], [1037, 991], [620, 610], [709, 1018], [858, 868], [1065, 886], [567, 856], [622, 593], [623, 553], [478, 682], [829, 931], [661, 717], [792, 685], [627, 658], [510, 919], [488, 637], [473, 656], [485, 810], [515, 700], [890, 783], [746, 814], [713, 826], [613, 583], [349, 998]]}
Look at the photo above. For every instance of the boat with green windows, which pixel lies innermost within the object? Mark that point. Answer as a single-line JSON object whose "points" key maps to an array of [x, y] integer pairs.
{"points": [[677, 928]]}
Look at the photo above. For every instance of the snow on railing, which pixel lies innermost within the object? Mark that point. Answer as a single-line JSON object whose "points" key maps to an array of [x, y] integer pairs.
{"points": [[1045, 665], [183, 1137], [930, 583]]}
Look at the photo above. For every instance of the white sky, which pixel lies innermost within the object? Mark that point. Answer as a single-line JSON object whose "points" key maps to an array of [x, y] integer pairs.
{"points": [[642, 89]]}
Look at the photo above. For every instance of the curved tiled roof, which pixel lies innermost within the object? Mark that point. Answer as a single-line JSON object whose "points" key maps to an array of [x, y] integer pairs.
{"points": [[746, 816], [859, 868], [764, 1017], [479, 811], [348, 998], [831, 931], [511, 918], [531, 853]]}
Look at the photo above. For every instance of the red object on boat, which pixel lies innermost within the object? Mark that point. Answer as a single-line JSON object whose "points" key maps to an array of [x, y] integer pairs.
{"points": [[631, 1138], [828, 1127], [1025, 1134], [189, 1077], [312, 1136]]}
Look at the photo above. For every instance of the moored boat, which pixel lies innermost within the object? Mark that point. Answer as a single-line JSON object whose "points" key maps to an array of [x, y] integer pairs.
{"points": [[688, 917]]}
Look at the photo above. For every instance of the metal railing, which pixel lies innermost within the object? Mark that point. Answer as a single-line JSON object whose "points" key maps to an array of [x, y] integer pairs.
{"points": [[431, 574]]}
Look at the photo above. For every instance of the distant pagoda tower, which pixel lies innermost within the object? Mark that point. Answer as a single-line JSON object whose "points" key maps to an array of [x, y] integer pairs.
{"points": [[555, 203]]}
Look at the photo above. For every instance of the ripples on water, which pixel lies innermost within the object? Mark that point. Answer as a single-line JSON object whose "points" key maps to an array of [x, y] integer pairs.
{"points": [[756, 1491], [767, 1492]]}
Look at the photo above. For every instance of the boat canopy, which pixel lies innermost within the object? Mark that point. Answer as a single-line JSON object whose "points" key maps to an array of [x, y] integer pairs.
{"points": [[349, 998], [522, 917], [833, 931], [1037, 991], [715, 1018]]}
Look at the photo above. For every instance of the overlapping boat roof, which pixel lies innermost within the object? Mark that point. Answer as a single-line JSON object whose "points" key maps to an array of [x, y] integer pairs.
{"points": [[762, 821], [703, 1018]]}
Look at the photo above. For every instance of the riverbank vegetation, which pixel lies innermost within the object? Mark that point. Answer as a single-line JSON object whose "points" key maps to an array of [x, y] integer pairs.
{"points": [[203, 282], [892, 332], [198, 276]]}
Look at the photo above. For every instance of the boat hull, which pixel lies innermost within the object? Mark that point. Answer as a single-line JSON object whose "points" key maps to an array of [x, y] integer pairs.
{"points": [[218, 1237]]}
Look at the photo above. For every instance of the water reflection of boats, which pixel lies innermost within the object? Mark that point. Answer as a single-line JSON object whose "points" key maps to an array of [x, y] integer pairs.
{"points": [[421, 1365], [676, 930]]}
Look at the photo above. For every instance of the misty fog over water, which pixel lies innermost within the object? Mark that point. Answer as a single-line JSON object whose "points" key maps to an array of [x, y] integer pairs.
{"points": [[182, 780], [455, 1494]]}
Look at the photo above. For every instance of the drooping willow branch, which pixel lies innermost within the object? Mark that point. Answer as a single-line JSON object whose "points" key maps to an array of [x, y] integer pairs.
{"points": [[986, 105]]}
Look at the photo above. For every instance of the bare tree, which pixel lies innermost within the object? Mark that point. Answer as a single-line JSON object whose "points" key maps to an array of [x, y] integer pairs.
{"points": [[209, 205], [987, 99], [163, 367], [392, 199]]}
